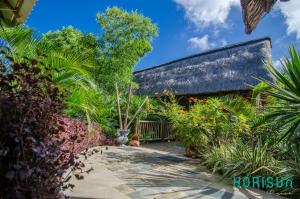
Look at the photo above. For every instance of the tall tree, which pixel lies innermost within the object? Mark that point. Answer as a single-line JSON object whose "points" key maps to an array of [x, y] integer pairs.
{"points": [[72, 41], [125, 38]]}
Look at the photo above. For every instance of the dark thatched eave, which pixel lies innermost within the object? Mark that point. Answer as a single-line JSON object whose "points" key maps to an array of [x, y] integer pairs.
{"points": [[254, 10], [228, 69], [16, 11]]}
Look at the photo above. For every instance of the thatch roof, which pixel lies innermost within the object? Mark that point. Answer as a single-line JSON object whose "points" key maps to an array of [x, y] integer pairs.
{"points": [[254, 10], [16, 10], [226, 69]]}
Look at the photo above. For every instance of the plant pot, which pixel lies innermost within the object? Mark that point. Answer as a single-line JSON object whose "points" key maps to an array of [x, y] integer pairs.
{"points": [[190, 152], [122, 136]]}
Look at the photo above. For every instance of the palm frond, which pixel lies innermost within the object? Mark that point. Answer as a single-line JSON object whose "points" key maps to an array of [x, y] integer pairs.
{"points": [[287, 90]]}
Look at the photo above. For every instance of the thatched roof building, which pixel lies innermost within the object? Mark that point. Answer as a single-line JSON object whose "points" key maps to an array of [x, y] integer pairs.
{"points": [[16, 11], [254, 10], [224, 70]]}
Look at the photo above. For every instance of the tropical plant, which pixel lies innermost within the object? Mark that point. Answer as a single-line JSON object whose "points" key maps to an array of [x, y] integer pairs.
{"points": [[291, 168], [4, 50], [72, 41], [30, 159], [239, 159], [125, 38], [89, 103], [209, 122], [85, 65], [26, 44], [241, 113], [286, 89], [73, 72]]}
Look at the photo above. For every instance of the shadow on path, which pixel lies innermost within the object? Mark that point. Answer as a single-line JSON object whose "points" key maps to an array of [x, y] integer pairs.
{"points": [[154, 173]]}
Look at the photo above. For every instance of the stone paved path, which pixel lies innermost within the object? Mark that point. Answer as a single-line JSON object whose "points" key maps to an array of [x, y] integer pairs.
{"points": [[146, 173]]}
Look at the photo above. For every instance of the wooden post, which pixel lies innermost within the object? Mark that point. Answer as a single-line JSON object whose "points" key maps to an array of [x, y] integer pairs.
{"points": [[161, 130], [118, 106], [137, 112], [127, 107]]}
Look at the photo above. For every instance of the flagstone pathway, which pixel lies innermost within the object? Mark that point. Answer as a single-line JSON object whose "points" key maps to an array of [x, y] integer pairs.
{"points": [[148, 173]]}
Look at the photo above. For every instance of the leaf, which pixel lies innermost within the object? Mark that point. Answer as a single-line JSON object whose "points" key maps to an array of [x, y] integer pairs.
{"points": [[79, 177], [10, 175]]}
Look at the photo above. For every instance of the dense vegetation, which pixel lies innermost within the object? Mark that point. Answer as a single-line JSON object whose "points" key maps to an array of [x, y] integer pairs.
{"points": [[88, 66], [239, 137], [57, 96], [31, 166], [63, 79]]}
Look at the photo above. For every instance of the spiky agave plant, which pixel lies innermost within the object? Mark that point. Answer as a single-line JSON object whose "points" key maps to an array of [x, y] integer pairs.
{"points": [[286, 90]]}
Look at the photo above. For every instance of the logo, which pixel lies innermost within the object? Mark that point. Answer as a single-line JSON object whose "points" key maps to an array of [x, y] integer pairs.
{"points": [[261, 182]]}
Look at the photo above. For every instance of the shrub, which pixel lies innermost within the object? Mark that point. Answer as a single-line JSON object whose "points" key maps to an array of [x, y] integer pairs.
{"points": [[87, 101], [77, 137], [31, 162], [286, 91], [208, 122], [291, 168], [241, 160]]}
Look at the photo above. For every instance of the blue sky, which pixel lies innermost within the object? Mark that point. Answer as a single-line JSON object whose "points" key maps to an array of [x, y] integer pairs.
{"points": [[186, 27]]}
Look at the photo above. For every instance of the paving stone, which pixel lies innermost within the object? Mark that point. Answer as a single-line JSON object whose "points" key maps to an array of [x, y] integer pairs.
{"points": [[147, 173]]}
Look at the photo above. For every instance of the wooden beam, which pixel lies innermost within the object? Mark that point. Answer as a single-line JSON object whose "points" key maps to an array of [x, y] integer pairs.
{"points": [[16, 13], [11, 7]]}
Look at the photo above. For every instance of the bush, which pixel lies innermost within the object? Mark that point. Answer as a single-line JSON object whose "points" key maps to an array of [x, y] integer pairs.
{"points": [[291, 168], [77, 137], [31, 162], [88, 102], [241, 160], [208, 122], [285, 91]]}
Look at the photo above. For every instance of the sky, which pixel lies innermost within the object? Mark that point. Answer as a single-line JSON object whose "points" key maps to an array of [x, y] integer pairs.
{"points": [[186, 27]]}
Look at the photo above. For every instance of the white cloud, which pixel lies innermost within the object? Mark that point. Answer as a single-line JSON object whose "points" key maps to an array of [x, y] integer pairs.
{"points": [[203, 13], [290, 11], [204, 43], [223, 42], [277, 64], [201, 43]]}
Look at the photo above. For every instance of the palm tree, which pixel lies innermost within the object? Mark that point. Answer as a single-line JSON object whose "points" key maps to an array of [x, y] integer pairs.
{"points": [[74, 73], [25, 43], [286, 90]]}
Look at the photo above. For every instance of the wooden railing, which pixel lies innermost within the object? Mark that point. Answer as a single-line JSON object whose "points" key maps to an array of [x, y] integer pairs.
{"points": [[154, 130]]}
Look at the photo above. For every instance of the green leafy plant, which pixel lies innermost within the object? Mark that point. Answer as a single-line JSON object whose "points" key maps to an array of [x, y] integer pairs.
{"points": [[146, 137], [241, 160], [88, 66], [89, 103], [126, 38], [291, 168], [287, 90], [31, 163], [72, 41], [208, 122]]}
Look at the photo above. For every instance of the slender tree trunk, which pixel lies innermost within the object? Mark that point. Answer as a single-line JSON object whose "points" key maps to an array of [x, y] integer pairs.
{"points": [[127, 107], [118, 106]]}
